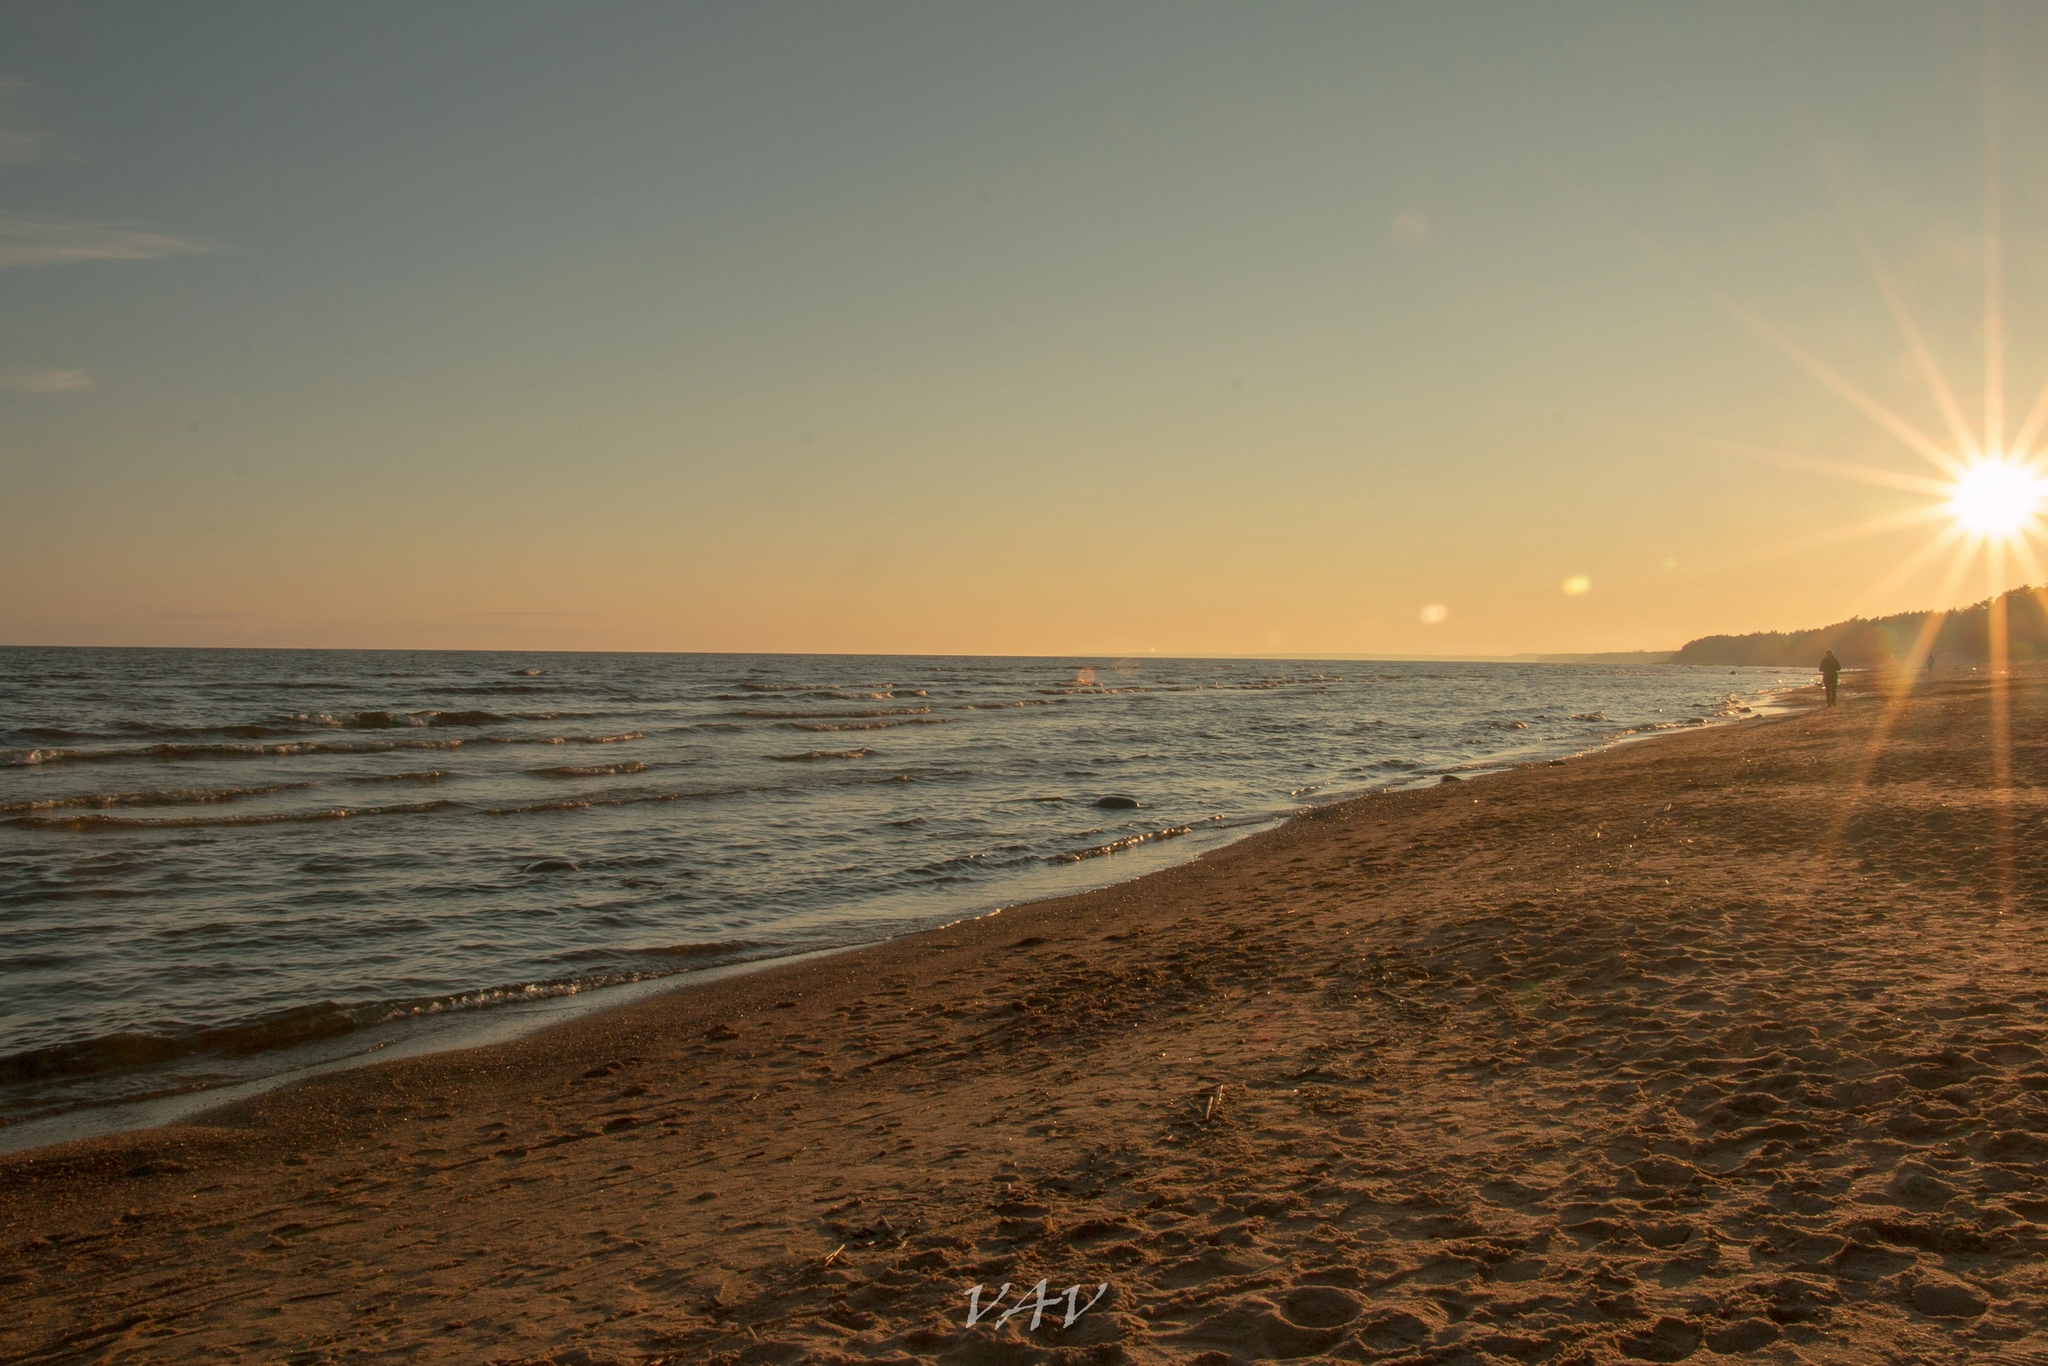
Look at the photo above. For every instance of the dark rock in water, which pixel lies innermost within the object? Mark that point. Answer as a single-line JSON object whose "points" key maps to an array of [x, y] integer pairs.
{"points": [[1452, 778], [1118, 803], [551, 865]]}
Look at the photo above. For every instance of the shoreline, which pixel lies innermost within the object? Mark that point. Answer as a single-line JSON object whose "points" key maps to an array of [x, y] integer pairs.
{"points": [[1731, 1048], [375, 1044], [493, 1026]]}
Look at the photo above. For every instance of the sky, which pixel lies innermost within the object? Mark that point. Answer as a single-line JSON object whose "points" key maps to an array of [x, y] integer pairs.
{"points": [[1005, 329]]}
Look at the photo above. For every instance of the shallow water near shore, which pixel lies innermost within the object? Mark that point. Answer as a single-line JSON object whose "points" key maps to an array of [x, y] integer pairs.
{"points": [[219, 865]]}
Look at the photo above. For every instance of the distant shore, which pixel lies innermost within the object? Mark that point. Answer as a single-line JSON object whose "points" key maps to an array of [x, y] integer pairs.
{"points": [[1957, 640], [1730, 1043]]}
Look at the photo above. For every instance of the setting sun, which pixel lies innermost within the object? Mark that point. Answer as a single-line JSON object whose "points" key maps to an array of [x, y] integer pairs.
{"points": [[1995, 497]]}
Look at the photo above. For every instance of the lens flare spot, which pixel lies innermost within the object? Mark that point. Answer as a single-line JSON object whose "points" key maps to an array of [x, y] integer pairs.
{"points": [[1995, 497], [1578, 585], [1435, 614]]}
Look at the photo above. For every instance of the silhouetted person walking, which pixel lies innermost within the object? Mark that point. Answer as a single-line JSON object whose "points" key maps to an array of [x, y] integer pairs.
{"points": [[1830, 670]]}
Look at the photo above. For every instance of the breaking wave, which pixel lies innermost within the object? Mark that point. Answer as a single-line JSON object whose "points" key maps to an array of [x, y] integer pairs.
{"points": [[1118, 846], [131, 1049]]}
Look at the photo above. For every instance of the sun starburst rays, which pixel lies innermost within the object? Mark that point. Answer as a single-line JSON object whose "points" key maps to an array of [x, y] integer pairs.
{"points": [[1994, 497], [1994, 252], [1927, 554], [1916, 346], [1994, 492], [1948, 462]]}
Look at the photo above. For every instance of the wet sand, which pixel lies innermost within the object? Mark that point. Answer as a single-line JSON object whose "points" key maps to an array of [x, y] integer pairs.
{"points": [[1727, 1046]]}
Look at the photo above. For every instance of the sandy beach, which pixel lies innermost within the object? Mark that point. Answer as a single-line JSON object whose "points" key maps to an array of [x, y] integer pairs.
{"points": [[1723, 1046]]}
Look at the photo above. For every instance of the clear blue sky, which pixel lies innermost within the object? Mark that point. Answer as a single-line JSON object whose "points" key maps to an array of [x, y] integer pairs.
{"points": [[1047, 328]]}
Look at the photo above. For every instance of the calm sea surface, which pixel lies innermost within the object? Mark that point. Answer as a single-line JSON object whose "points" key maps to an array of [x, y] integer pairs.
{"points": [[216, 865]]}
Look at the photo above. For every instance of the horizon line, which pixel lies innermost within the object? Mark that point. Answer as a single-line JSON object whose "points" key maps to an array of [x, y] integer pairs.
{"points": [[1520, 657]]}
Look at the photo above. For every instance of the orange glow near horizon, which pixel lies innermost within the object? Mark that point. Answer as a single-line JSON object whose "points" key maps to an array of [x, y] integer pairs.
{"points": [[1298, 359]]}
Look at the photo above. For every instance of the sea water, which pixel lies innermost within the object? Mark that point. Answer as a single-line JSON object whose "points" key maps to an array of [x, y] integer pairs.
{"points": [[222, 865]]}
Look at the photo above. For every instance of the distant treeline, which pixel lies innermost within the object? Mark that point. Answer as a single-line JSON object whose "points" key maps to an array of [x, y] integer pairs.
{"points": [[1964, 637]]}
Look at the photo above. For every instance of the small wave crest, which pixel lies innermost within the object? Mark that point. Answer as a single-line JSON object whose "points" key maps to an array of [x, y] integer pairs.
{"points": [[395, 720], [174, 752], [22, 758], [1118, 846], [865, 725], [590, 770], [762, 715], [1088, 690], [1285, 681], [821, 754], [828, 692], [132, 1049], [193, 796], [286, 724], [1649, 727], [334, 813], [618, 739], [170, 752], [630, 799]]}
